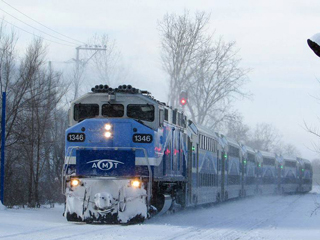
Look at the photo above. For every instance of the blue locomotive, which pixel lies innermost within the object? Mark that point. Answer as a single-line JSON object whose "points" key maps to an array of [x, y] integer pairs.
{"points": [[129, 156]]}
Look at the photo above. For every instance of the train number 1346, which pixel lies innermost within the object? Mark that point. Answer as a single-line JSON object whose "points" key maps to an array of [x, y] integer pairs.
{"points": [[76, 137], [142, 138]]}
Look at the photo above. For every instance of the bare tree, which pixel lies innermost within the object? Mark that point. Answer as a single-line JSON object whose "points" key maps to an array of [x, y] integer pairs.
{"points": [[108, 64], [77, 79], [288, 150], [181, 39], [34, 92], [207, 68], [236, 129], [214, 84], [98, 62], [34, 130], [314, 130], [265, 137]]}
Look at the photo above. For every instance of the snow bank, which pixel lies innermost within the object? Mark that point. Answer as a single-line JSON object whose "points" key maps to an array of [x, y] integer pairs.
{"points": [[2, 207]]}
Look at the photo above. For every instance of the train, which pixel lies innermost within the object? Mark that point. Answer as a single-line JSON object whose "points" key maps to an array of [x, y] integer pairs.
{"points": [[129, 157]]}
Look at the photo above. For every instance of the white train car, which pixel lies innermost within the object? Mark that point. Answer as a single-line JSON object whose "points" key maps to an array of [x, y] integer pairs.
{"points": [[266, 172], [305, 175], [249, 164], [279, 173], [205, 168], [290, 180], [232, 187]]}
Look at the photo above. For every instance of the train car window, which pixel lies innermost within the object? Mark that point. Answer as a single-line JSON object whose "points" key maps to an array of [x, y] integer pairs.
{"points": [[268, 161], [181, 119], [233, 151], [112, 110], [201, 141], [193, 160], [212, 145], [184, 121], [143, 112], [250, 157], [307, 167], [166, 114], [161, 117], [206, 143], [174, 116], [83, 111]]}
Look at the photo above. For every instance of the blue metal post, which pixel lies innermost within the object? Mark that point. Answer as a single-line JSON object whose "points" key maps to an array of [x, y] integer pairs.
{"points": [[3, 136]]}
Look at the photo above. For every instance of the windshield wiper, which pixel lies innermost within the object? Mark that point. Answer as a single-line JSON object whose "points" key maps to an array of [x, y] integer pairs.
{"points": [[138, 120]]}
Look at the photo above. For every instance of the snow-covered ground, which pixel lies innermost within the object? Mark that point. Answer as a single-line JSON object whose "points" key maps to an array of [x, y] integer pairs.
{"points": [[269, 217]]}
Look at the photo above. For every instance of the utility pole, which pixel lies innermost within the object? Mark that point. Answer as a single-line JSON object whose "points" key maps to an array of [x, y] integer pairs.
{"points": [[95, 48]]}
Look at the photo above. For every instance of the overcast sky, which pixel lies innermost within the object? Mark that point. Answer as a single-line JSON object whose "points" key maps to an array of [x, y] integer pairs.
{"points": [[271, 36]]}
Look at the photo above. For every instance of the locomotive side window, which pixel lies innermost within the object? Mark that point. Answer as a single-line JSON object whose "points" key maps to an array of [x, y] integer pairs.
{"points": [[83, 111], [143, 112], [112, 110]]}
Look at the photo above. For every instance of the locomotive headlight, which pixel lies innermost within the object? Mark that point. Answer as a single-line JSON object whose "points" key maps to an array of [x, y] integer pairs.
{"points": [[107, 134], [135, 183], [75, 182], [108, 127]]}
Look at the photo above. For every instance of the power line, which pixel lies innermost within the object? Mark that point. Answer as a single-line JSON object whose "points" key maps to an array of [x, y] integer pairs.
{"points": [[37, 35], [42, 24], [37, 28]]}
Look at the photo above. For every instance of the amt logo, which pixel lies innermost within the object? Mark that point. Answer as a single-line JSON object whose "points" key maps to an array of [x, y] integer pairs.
{"points": [[105, 164]]}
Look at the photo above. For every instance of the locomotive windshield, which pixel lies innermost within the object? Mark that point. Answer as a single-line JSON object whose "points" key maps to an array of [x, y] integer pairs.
{"points": [[83, 111], [143, 112], [112, 110]]}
